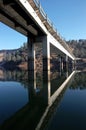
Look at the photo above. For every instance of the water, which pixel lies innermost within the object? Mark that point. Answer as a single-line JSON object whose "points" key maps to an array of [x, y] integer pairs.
{"points": [[12, 97], [71, 113], [26, 104], [13, 94]]}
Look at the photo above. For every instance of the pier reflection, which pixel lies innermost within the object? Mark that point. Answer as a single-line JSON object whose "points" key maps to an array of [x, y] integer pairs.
{"points": [[42, 93]]}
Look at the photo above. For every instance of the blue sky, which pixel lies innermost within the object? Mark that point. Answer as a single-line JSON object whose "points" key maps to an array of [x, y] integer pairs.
{"points": [[68, 16], [9, 38]]}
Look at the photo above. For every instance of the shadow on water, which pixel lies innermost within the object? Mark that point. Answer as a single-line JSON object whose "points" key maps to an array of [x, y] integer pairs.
{"points": [[43, 98]]}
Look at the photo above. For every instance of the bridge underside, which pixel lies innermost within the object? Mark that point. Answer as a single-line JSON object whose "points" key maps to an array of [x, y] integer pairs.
{"points": [[13, 15]]}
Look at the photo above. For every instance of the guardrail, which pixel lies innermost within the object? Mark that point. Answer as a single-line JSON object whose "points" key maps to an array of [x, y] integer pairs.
{"points": [[37, 2]]}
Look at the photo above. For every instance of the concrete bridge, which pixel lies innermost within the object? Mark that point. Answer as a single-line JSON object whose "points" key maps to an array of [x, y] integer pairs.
{"points": [[28, 18]]}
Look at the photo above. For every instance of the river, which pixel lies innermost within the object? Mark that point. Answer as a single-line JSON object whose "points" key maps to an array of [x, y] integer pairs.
{"points": [[46, 105]]}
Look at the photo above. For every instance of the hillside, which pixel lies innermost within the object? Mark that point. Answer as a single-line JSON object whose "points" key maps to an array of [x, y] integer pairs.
{"points": [[4, 53], [19, 57], [14, 58], [1, 56], [78, 47]]}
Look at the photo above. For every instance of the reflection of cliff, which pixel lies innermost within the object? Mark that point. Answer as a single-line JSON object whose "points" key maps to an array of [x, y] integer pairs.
{"points": [[14, 75], [54, 75], [1, 75], [21, 76], [56, 81], [79, 81], [36, 112], [10, 59]]}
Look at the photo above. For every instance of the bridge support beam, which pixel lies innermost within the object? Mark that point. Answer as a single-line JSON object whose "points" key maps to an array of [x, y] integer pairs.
{"points": [[46, 58], [46, 69], [31, 60], [73, 64], [66, 63], [61, 63]]}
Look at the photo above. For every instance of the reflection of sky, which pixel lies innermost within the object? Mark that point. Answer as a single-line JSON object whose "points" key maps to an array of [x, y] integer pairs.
{"points": [[12, 97]]}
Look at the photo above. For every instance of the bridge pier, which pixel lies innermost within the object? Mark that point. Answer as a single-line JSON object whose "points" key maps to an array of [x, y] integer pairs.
{"points": [[46, 58], [31, 57], [31, 60], [61, 63], [46, 54], [66, 63], [73, 64]]}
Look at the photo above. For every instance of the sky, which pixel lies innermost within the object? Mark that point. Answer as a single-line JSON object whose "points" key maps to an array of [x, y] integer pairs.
{"points": [[9, 38], [68, 16]]}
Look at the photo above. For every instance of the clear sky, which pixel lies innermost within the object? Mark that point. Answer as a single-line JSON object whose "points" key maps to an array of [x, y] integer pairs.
{"points": [[68, 16], [9, 38]]}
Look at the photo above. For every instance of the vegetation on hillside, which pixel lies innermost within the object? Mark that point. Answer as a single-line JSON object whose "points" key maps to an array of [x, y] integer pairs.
{"points": [[78, 47], [15, 58], [17, 55]]}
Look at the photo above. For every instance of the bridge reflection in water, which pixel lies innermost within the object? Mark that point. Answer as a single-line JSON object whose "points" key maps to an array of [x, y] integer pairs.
{"points": [[42, 95]]}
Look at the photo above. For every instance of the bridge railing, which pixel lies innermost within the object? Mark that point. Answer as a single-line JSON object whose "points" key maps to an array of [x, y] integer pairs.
{"points": [[37, 2]]}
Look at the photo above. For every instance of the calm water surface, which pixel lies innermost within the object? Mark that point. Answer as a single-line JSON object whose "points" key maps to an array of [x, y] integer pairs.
{"points": [[71, 112], [13, 96], [24, 103]]}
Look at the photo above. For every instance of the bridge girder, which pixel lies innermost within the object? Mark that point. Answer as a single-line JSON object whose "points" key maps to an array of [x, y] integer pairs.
{"points": [[12, 14], [8, 2]]}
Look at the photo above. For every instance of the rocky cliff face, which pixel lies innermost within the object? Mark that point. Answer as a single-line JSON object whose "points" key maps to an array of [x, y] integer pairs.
{"points": [[19, 57], [78, 47], [1, 56]]}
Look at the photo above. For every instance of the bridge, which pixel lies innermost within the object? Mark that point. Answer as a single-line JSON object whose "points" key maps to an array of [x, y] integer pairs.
{"points": [[29, 18]]}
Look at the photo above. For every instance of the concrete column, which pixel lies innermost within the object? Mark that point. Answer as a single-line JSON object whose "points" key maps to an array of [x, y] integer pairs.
{"points": [[31, 60], [70, 63], [66, 62], [60, 70], [31, 55], [61, 63], [47, 90], [66, 58], [46, 58], [46, 69], [73, 64]]}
